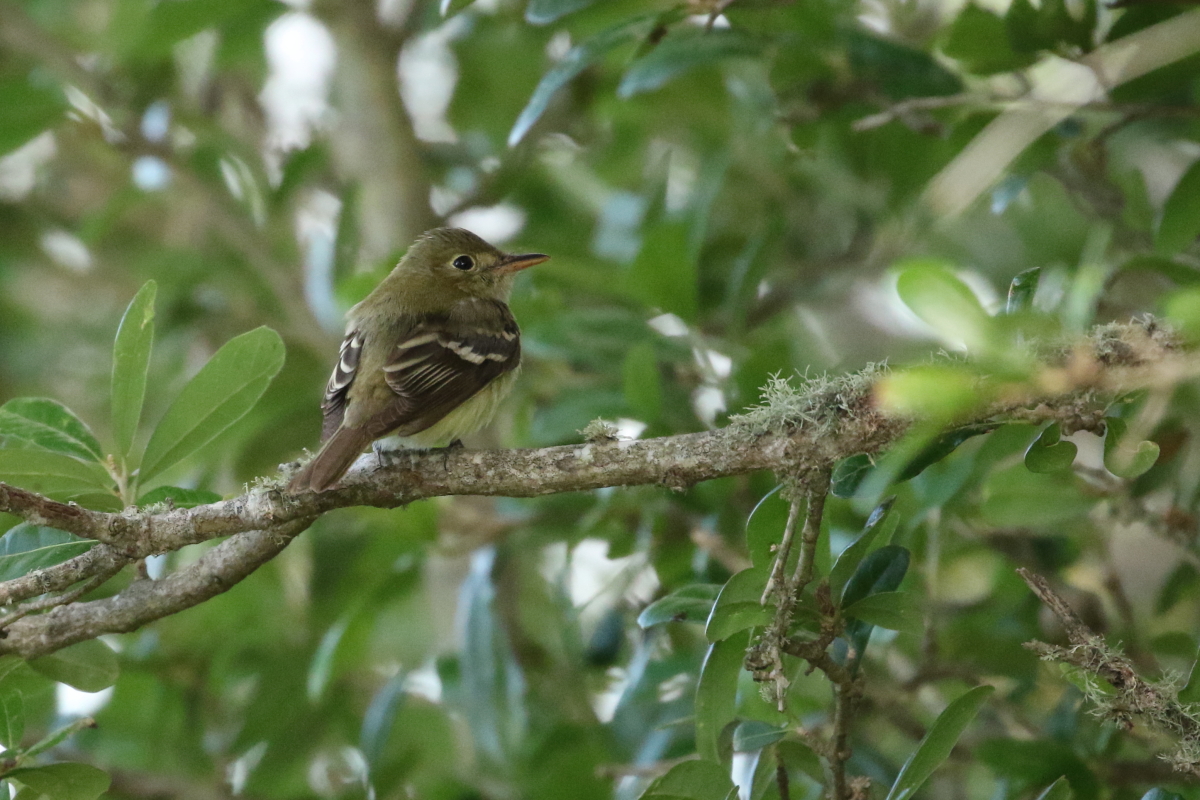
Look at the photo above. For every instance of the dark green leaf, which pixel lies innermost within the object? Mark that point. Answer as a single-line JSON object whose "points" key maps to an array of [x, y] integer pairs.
{"points": [[131, 363], [51, 473], [543, 12], [849, 473], [1178, 272], [12, 719], [49, 425], [179, 498], [69, 781], [643, 385], [219, 395], [938, 742], [979, 39], [716, 692], [28, 110], [574, 62], [896, 70], [683, 51], [1022, 290], [896, 611], [1123, 457], [850, 558], [754, 734], [25, 548], [664, 274], [881, 571], [1048, 454], [739, 605], [1180, 223], [695, 780], [88, 666], [170, 23], [690, 604]]}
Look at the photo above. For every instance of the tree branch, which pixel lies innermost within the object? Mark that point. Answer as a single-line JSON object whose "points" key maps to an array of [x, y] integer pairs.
{"points": [[804, 436]]}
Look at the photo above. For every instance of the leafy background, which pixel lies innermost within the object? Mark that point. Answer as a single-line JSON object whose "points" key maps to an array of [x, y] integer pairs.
{"points": [[726, 191]]}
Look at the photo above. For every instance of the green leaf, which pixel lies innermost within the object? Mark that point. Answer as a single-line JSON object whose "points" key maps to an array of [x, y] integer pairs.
{"points": [[943, 302], [663, 275], [979, 39], [1016, 497], [51, 473], [690, 604], [695, 780], [939, 392], [170, 23], [28, 110], [1022, 290], [131, 362], [1161, 794], [850, 558], [543, 12], [179, 498], [739, 605], [12, 719], [848, 474], [753, 734], [320, 670], [942, 446], [716, 692], [69, 781], [220, 394], [1048, 454], [1124, 457], [448, 7], [25, 548], [380, 716], [88, 666], [1059, 790], [577, 59], [49, 425], [643, 384], [896, 611], [938, 742], [1190, 693], [1182, 308], [1180, 223], [682, 51], [881, 571], [764, 526]]}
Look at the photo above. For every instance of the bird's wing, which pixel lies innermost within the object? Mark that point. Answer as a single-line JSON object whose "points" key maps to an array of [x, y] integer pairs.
{"points": [[333, 405], [442, 361]]}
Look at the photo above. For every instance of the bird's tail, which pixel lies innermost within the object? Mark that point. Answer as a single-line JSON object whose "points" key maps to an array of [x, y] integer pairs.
{"points": [[331, 462]]}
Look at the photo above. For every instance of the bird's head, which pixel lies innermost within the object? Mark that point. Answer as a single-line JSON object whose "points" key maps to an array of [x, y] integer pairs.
{"points": [[454, 261]]}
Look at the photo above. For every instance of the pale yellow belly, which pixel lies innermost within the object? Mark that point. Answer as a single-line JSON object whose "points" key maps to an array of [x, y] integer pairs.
{"points": [[462, 421]]}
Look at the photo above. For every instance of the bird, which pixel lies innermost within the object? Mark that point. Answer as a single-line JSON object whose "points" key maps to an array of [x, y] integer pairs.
{"points": [[428, 356]]}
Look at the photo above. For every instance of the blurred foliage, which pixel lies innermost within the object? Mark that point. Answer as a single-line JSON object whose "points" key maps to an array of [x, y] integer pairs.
{"points": [[729, 191]]}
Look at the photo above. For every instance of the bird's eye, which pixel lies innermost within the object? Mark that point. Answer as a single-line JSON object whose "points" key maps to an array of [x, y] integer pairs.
{"points": [[464, 263]]}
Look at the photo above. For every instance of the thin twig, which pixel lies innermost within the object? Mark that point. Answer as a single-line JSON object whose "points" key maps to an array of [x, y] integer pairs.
{"points": [[1155, 703], [776, 580], [812, 532], [58, 600]]}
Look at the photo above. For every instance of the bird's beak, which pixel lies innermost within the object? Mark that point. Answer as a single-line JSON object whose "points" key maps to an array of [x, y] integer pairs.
{"points": [[516, 263]]}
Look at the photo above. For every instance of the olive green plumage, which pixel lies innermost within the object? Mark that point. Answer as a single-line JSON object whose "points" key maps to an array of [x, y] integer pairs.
{"points": [[427, 356]]}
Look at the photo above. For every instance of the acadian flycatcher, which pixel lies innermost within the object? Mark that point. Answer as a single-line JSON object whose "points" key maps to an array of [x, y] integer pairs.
{"points": [[428, 355]]}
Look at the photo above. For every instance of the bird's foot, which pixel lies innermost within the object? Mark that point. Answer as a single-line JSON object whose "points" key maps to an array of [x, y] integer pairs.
{"points": [[447, 450], [391, 457]]}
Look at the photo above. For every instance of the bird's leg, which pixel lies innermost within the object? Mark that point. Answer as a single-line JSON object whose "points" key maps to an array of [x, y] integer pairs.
{"points": [[457, 444]]}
